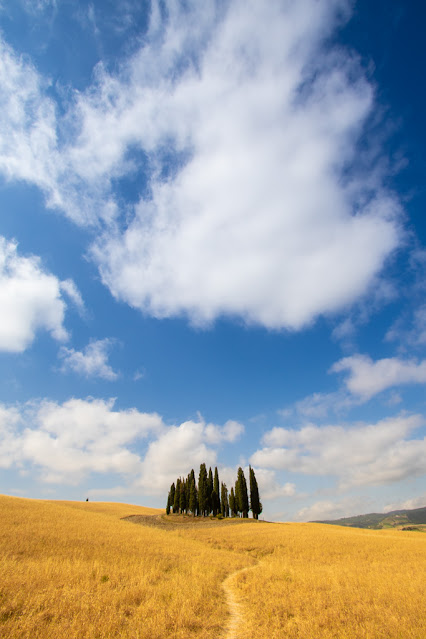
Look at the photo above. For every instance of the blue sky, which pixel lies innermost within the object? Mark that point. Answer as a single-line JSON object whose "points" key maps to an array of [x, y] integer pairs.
{"points": [[212, 249]]}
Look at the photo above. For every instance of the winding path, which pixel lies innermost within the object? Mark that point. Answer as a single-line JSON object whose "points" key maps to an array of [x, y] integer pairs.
{"points": [[235, 621]]}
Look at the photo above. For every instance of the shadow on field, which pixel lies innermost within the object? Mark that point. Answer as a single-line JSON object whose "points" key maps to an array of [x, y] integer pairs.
{"points": [[173, 522]]}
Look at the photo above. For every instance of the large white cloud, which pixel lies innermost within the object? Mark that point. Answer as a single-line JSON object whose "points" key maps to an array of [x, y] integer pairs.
{"points": [[30, 300], [246, 126], [367, 378], [257, 223], [371, 454], [69, 442], [189, 443]]}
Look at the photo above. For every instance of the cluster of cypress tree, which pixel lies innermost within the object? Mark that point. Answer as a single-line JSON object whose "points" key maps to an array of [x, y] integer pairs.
{"points": [[206, 498]]}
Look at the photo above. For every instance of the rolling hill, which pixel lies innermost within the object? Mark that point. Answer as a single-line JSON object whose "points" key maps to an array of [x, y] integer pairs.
{"points": [[376, 521]]}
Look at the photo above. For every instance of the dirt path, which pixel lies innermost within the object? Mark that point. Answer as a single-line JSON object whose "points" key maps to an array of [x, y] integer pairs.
{"points": [[235, 629]]}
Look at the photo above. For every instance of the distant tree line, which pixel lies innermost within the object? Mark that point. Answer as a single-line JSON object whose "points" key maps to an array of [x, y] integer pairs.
{"points": [[208, 497]]}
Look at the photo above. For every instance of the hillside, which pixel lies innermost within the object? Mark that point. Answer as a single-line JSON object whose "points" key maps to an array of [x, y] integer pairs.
{"points": [[84, 570], [377, 521]]}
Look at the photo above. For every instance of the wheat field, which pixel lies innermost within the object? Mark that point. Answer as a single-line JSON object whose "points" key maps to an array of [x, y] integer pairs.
{"points": [[78, 570]]}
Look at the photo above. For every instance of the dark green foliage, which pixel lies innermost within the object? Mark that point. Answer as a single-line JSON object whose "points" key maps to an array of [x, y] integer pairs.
{"points": [[211, 497], [192, 504], [255, 505], [241, 495], [182, 498], [176, 499], [224, 500], [187, 490], [232, 504], [210, 491], [172, 495], [202, 491], [216, 493]]}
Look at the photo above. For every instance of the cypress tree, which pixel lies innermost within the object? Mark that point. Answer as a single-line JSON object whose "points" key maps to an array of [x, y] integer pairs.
{"points": [[176, 499], [190, 479], [202, 491], [232, 504], [241, 494], [216, 493], [172, 495], [224, 500], [187, 490], [210, 491], [212, 496], [192, 504], [255, 505], [182, 498]]}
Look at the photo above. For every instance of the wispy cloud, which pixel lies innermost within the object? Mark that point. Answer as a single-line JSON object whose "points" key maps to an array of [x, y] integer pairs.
{"points": [[410, 333], [407, 504], [70, 289], [34, 6], [92, 361]]}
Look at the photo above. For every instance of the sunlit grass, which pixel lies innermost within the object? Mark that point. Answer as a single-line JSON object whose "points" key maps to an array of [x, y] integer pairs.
{"points": [[76, 570], [328, 581]]}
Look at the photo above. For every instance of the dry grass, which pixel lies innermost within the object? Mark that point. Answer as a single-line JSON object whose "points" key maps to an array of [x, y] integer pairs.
{"points": [[77, 570], [317, 581]]}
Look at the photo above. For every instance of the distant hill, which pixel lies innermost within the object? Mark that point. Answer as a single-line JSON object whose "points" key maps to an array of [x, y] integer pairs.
{"points": [[376, 521]]}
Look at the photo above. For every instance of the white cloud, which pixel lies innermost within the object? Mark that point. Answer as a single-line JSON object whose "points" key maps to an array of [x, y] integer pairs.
{"points": [[371, 454], [257, 223], [319, 405], [32, 6], [30, 299], [35, 144], [229, 432], [81, 437], [247, 127], [67, 443], [415, 334], [70, 289], [91, 362], [367, 378], [408, 504], [269, 486], [167, 457], [10, 420], [326, 510], [27, 122]]}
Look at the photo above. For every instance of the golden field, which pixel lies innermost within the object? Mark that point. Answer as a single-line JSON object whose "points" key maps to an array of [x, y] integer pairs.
{"points": [[77, 570]]}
